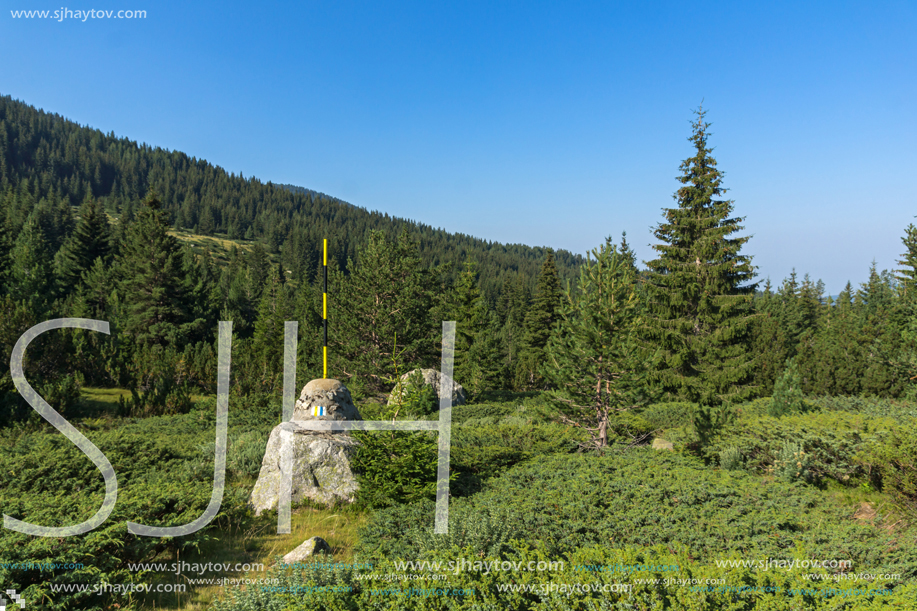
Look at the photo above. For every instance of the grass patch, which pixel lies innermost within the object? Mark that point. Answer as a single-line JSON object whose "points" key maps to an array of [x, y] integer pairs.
{"points": [[258, 543]]}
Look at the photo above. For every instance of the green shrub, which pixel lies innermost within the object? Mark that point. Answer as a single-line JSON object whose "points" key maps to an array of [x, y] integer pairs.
{"points": [[710, 420], [574, 585], [891, 464], [755, 408], [395, 466], [461, 413], [792, 463], [787, 397], [870, 406], [641, 497], [62, 394], [829, 440], [412, 398], [487, 446], [244, 453], [635, 508], [669, 415], [731, 459], [629, 427]]}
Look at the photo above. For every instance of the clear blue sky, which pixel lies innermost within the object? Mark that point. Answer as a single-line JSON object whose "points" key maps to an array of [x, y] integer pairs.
{"points": [[542, 123]]}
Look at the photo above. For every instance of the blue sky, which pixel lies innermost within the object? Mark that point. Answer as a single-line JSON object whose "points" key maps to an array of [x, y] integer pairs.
{"points": [[542, 123]]}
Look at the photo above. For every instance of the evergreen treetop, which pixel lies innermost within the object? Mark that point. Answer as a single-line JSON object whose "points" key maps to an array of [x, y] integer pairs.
{"points": [[907, 278], [699, 288]]}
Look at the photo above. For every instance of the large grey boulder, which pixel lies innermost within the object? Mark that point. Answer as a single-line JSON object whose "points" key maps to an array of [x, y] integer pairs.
{"points": [[319, 460], [431, 377]]}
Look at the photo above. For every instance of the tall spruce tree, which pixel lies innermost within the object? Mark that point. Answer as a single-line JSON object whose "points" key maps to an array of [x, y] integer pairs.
{"points": [[540, 321], [882, 323], [699, 291], [238, 295], [627, 253], [833, 361], [486, 366], [156, 307]]}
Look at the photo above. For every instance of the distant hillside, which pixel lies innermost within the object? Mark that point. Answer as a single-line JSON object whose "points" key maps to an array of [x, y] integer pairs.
{"points": [[311, 193], [43, 155]]}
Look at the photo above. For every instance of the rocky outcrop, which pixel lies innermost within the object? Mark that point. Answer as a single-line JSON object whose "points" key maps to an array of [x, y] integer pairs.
{"points": [[320, 460]]}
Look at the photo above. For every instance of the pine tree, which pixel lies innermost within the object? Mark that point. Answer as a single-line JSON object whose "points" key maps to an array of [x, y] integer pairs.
{"points": [[31, 278], [156, 308], [876, 294], [768, 344], [238, 295], [882, 323], [627, 253], [55, 218], [788, 312], [6, 244], [267, 345], [906, 361], [91, 240], [260, 265], [388, 295], [511, 309], [834, 362], [699, 290], [96, 286], [787, 397], [907, 278], [486, 368], [202, 295], [592, 360], [540, 321], [467, 310]]}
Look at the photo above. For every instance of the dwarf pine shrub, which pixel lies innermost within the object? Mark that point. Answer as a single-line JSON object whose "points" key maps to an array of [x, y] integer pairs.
{"points": [[787, 397], [731, 459]]}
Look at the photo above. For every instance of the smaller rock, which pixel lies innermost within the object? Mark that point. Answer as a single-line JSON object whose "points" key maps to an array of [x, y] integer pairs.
{"points": [[661, 444], [310, 547], [431, 377]]}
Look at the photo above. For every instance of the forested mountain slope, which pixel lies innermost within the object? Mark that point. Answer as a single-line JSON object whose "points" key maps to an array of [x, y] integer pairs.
{"points": [[43, 155]]}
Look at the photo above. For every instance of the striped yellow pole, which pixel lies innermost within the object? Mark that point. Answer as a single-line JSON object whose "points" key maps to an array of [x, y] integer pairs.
{"points": [[325, 311]]}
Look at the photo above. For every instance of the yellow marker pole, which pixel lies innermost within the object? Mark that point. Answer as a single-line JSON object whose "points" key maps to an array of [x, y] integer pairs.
{"points": [[325, 311]]}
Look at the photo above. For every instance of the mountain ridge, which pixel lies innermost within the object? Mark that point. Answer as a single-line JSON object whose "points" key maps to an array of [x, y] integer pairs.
{"points": [[46, 156]]}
